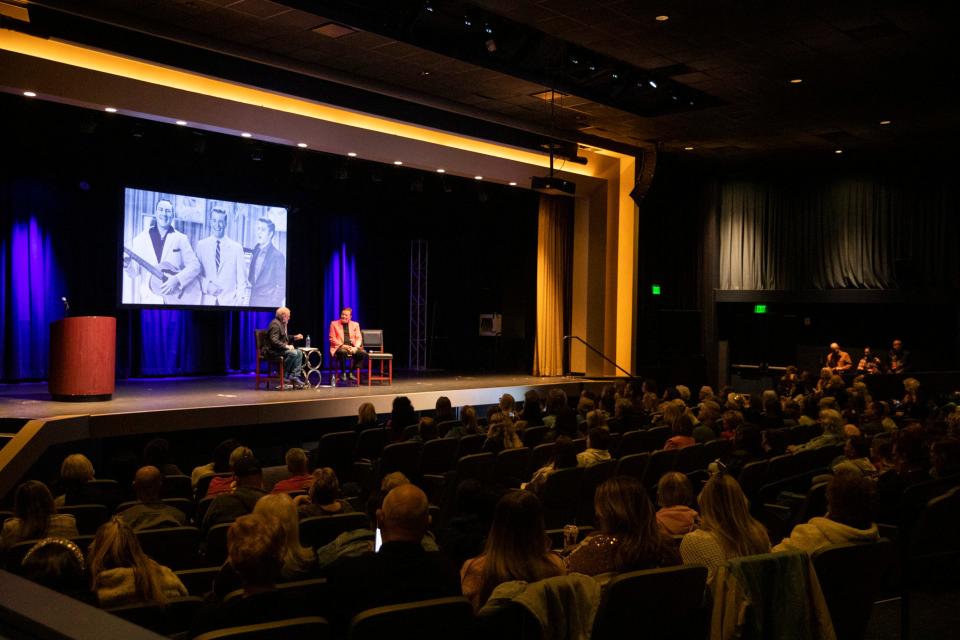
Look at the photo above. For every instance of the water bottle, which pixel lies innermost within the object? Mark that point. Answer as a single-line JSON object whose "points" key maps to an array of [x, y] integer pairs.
{"points": [[308, 341]]}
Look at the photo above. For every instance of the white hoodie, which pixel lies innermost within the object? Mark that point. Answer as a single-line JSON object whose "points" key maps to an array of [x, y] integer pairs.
{"points": [[823, 532]]}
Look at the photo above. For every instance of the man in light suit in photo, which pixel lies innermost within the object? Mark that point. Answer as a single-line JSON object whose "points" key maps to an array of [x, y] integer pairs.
{"points": [[268, 269], [168, 252], [346, 343], [223, 281]]}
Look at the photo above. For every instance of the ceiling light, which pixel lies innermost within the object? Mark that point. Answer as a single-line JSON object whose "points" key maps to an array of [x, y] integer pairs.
{"points": [[110, 109], [652, 83], [246, 135], [796, 80], [182, 123], [513, 184], [398, 162], [30, 94], [352, 154], [615, 76], [662, 18], [478, 177], [424, 73], [688, 148], [838, 151], [881, 122], [441, 170], [302, 145], [333, 30]]}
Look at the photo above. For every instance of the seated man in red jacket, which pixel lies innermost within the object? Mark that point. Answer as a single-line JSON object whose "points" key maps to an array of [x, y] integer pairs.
{"points": [[346, 343]]}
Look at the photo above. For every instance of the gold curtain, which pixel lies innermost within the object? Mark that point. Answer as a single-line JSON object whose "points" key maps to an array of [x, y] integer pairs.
{"points": [[553, 259]]}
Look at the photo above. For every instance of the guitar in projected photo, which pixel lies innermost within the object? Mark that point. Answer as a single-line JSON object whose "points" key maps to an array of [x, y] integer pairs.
{"points": [[160, 273]]}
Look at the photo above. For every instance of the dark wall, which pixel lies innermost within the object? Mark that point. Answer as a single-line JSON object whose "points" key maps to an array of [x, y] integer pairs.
{"points": [[482, 237]]}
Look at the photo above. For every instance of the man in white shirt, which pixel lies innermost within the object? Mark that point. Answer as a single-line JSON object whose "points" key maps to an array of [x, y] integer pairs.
{"points": [[170, 273], [223, 281]]}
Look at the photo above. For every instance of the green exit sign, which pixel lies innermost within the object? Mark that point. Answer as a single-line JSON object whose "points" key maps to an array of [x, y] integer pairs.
{"points": [[655, 289], [759, 308]]}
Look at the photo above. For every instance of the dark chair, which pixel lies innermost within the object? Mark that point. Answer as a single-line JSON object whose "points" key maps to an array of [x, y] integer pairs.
{"points": [[614, 447], [824, 456], [667, 604], [215, 550], [274, 370], [438, 456], [692, 458], [593, 477], [661, 461], [317, 531], [401, 456], [175, 547], [176, 487], [443, 428], [373, 345], [656, 437], [471, 444], [580, 445], [510, 468], [532, 436], [168, 619], [100, 491], [199, 582], [203, 484], [850, 576], [184, 504], [632, 442], [410, 431], [438, 619], [202, 508], [370, 444], [477, 466], [615, 425], [559, 496], [336, 451], [89, 516], [633, 465], [781, 467], [752, 477], [313, 627], [312, 590], [719, 448], [540, 456]]}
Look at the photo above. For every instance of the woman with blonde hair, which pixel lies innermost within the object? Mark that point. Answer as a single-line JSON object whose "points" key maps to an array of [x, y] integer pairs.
{"points": [[367, 417], [727, 530], [501, 434], [298, 561], [121, 573], [75, 472]]}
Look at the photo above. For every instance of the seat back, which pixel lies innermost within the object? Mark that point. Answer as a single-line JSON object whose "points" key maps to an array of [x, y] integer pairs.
{"points": [[593, 477], [101, 491], [532, 436], [199, 582], [633, 465], [401, 456], [184, 504], [850, 576], [632, 442], [477, 466], [438, 456], [410, 431], [692, 458], [510, 467], [752, 477], [336, 451], [313, 627], [317, 531], [471, 444], [216, 544], [372, 339], [661, 461], [665, 603], [174, 547], [443, 428], [781, 467], [307, 591], [540, 456], [719, 448], [370, 443], [274, 365], [203, 484], [89, 516], [437, 619], [559, 496], [656, 437], [172, 618]]}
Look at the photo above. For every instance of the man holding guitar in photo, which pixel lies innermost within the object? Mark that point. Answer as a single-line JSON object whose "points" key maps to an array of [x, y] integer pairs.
{"points": [[163, 262]]}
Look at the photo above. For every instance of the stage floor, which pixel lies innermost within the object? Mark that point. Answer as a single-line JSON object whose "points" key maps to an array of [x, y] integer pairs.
{"points": [[165, 395]]}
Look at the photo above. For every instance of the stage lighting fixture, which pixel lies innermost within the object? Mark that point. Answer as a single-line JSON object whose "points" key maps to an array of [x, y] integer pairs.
{"points": [[478, 177], [796, 81], [398, 162], [30, 94], [352, 154], [110, 109], [182, 123], [652, 83], [512, 184], [885, 122], [688, 148], [838, 151], [302, 145], [662, 18], [441, 170], [246, 135]]}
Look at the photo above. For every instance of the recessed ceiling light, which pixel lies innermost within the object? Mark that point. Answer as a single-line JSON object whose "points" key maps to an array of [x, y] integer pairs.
{"points": [[352, 154], [441, 170], [302, 145], [652, 83], [688, 148], [398, 162], [424, 73], [513, 184], [111, 109], [796, 80], [30, 94], [885, 121], [246, 135], [662, 18], [478, 177], [838, 151], [182, 123]]}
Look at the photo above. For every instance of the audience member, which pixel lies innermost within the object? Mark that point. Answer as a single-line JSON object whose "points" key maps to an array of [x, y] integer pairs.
{"points": [[508, 406], [465, 531], [596, 418], [401, 417], [57, 564], [324, 497], [675, 495], [157, 454], [727, 530], [220, 463], [151, 512], [121, 573], [225, 484], [848, 518], [443, 410], [501, 434], [857, 457], [426, 430], [467, 425], [75, 472], [682, 433], [556, 402], [300, 478], [709, 416], [747, 448], [531, 409], [945, 458], [35, 516], [367, 417], [517, 548], [832, 423], [564, 457], [598, 443], [227, 507], [628, 538]]}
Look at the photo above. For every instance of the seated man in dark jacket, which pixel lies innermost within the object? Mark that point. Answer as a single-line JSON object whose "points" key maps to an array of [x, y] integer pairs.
{"points": [[280, 345], [401, 571], [150, 512], [227, 507]]}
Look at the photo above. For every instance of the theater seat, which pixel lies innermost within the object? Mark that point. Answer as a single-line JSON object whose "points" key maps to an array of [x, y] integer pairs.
{"points": [[317, 531], [438, 619], [850, 576], [313, 627], [172, 618]]}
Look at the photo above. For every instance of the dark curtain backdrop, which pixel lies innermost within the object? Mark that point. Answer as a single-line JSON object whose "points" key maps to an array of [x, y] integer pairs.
{"points": [[862, 233]]}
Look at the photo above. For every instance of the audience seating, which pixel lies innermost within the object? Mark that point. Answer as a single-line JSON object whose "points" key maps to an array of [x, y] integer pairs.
{"points": [[633, 465], [215, 549], [199, 582], [593, 477], [751, 479], [313, 627], [100, 491], [580, 444], [540, 456], [691, 458], [477, 466], [559, 496], [510, 468], [471, 444], [175, 547], [317, 531], [781, 467], [373, 344], [659, 603], [203, 484], [633, 442], [172, 618], [656, 437], [400, 456], [186, 505], [274, 370], [202, 508], [438, 619], [336, 451], [717, 449], [410, 431], [443, 428], [661, 461], [532, 436], [438, 456], [89, 516], [313, 590], [176, 487], [614, 447], [370, 443], [850, 576]]}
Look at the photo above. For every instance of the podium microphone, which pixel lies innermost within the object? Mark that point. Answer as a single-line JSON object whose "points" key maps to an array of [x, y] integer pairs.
{"points": [[66, 305]]}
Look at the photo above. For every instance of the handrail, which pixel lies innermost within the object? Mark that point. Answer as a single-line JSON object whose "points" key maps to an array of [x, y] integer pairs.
{"points": [[599, 353]]}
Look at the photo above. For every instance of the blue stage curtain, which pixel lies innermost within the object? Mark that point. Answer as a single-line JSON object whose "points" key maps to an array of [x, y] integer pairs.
{"points": [[243, 324], [31, 281], [169, 342], [340, 282]]}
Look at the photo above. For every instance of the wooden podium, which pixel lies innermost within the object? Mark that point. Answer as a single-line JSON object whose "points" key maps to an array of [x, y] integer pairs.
{"points": [[83, 359]]}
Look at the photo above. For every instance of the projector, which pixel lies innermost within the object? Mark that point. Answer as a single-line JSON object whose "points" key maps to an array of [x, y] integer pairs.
{"points": [[553, 186]]}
